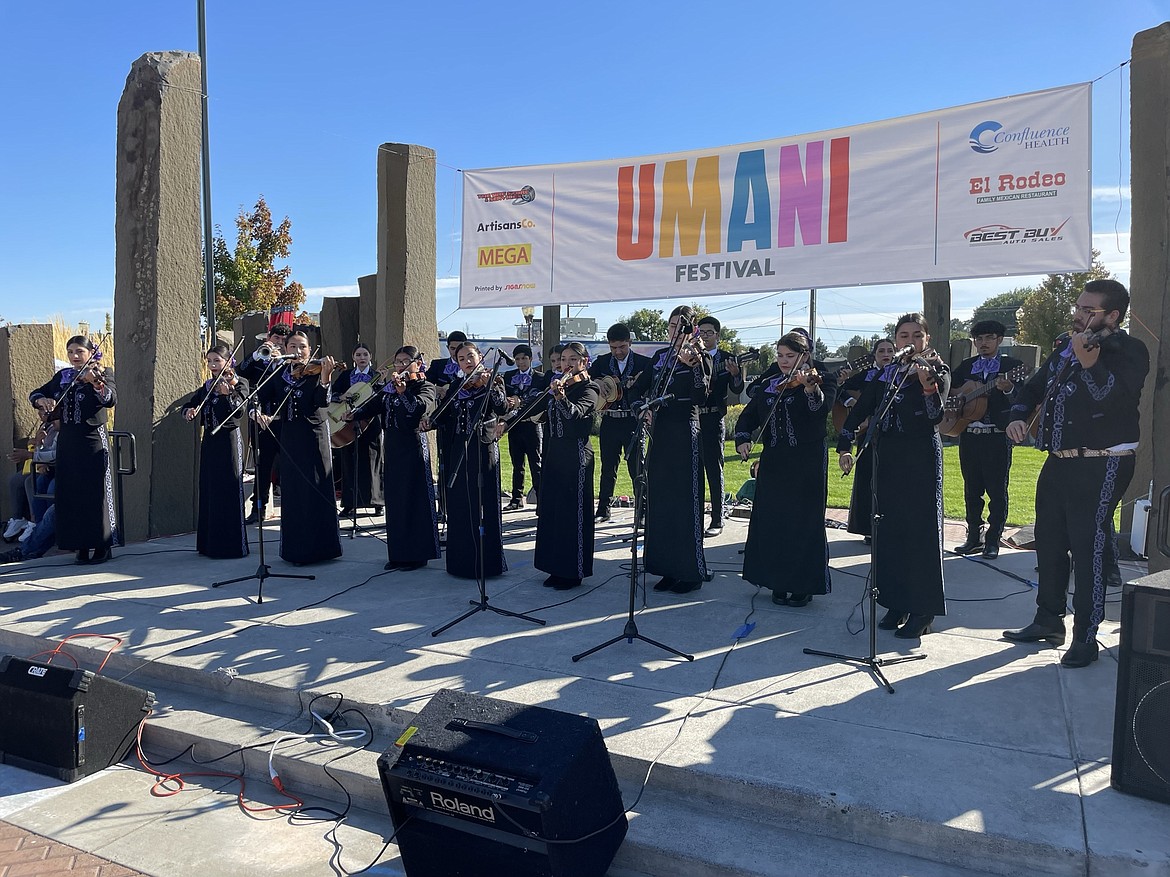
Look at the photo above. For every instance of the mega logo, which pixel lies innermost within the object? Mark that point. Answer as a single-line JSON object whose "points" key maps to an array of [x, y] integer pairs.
{"points": [[525, 195], [505, 256], [994, 235], [989, 136], [454, 805], [673, 212]]}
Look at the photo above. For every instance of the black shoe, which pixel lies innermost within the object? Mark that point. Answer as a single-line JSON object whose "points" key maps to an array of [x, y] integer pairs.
{"points": [[253, 516], [1113, 579], [82, 556], [916, 626], [713, 530], [991, 549], [868, 540], [1035, 633], [893, 619], [1080, 655], [666, 584], [515, 505], [345, 513], [551, 582], [14, 555], [100, 555], [974, 543], [799, 600], [685, 587], [407, 567], [780, 598], [602, 510], [567, 584], [377, 511]]}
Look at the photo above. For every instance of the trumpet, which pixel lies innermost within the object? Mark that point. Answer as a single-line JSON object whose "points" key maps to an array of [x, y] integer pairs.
{"points": [[267, 353]]}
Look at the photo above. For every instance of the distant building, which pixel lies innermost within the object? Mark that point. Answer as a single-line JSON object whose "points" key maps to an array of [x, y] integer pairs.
{"points": [[571, 327]]}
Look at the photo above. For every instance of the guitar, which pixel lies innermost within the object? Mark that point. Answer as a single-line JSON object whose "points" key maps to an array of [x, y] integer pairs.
{"points": [[840, 409], [968, 404]]}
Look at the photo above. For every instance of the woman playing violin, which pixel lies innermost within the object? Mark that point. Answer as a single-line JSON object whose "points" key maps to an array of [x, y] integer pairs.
{"points": [[360, 464], [564, 524], [412, 530], [218, 403], [79, 397], [908, 462], [299, 396], [786, 548], [468, 456], [860, 502]]}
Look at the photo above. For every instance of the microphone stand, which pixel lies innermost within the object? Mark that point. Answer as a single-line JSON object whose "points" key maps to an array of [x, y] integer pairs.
{"points": [[473, 433], [263, 571], [630, 632], [872, 661]]}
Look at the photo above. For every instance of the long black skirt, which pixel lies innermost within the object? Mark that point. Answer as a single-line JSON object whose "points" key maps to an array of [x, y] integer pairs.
{"points": [[221, 495], [412, 530], [308, 510], [908, 569], [85, 488], [564, 522], [360, 463], [786, 548], [674, 515], [463, 510], [861, 502]]}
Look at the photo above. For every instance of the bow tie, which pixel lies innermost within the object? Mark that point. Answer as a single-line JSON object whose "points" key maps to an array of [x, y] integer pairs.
{"points": [[987, 367], [888, 373], [522, 380], [360, 378]]}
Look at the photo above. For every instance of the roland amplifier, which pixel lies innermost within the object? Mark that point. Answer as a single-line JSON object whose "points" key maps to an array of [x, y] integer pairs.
{"points": [[482, 787], [64, 722], [1141, 739]]}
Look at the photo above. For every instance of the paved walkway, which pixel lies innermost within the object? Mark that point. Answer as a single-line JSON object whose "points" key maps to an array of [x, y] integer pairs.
{"points": [[24, 854]]}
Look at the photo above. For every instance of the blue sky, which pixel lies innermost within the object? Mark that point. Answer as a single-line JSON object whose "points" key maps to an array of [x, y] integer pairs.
{"points": [[302, 94]]}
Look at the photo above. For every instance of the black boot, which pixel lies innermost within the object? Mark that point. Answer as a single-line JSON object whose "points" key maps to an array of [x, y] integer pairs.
{"points": [[1080, 654], [893, 619], [916, 626], [602, 510], [974, 542], [1036, 632], [991, 548]]}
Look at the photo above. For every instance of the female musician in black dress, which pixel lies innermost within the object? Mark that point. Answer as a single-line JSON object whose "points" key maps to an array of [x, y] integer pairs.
{"points": [[360, 462], [79, 396], [412, 529], [468, 456], [219, 403], [564, 523], [300, 399], [860, 502], [786, 548], [908, 547], [674, 516]]}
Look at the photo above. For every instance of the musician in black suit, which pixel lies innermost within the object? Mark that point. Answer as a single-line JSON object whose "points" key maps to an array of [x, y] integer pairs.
{"points": [[617, 421], [264, 360], [441, 373], [725, 377], [525, 437], [985, 454]]}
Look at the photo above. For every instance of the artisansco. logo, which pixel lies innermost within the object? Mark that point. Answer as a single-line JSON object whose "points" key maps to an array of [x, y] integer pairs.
{"points": [[505, 226], [505, 256], [988, 235], [517, 196], [1016, 187], [987, 137]]}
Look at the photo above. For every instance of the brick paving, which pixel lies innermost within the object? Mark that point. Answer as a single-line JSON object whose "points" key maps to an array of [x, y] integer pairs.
{"points": [[25, 854]]}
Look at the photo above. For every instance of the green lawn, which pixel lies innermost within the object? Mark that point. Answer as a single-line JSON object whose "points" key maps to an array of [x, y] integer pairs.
{"points": [[1026, 464]]}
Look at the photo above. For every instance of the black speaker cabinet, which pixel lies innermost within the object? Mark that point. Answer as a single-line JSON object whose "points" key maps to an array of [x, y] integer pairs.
{"points": [[479, 787], [65, 722], [1141, 739]]}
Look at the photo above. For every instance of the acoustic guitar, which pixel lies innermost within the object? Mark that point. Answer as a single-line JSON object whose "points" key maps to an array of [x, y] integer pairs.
{"points": [[969, 403]]}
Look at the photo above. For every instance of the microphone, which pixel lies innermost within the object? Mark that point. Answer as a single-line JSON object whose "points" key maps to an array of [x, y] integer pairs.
{"points": [[500, 353], [904, 353]]}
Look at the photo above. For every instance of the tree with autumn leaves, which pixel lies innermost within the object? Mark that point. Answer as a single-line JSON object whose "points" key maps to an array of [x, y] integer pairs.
{"points": [[247, 278]]}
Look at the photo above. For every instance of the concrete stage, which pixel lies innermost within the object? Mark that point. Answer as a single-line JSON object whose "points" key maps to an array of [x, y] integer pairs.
{"points": [[989, 758]]}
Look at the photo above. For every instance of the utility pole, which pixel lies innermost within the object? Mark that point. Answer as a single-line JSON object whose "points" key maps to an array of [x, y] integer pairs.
{"points": [[782, 304], [208, 257], [812, 319]]}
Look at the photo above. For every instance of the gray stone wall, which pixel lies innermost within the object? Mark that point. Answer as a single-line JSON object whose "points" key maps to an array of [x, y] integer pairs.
{"points": [[368, 313], [157, 291], [339, 327], [26, 362]]}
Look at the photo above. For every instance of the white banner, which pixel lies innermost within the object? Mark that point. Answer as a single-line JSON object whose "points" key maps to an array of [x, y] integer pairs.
{"points": [[995, 188]]}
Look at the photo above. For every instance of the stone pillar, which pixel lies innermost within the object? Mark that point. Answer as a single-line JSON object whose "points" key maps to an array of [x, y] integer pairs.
{"points": [[157, 292], [26, 362], [404, 311], [368, 315], [550, 324], [248, 327], [1149, 277], [339, 328], [936, 306]]}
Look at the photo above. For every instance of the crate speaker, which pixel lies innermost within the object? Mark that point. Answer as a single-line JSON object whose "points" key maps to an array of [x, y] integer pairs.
{"points": [[1141, 744], [478, 786], [64, 722]]}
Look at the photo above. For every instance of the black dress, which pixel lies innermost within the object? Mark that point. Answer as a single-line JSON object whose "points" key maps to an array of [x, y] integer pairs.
{"points": [[308, 509], [786, 547], [361, 461], [463, 496], [221, 485], [564, 523], [412, 530], [85, 481], [674, 472], [861, 501], [907, 452]]}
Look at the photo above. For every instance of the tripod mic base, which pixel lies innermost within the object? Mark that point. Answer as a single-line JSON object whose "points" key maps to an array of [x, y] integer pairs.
{"points": [[629, 634], [874, 664]]}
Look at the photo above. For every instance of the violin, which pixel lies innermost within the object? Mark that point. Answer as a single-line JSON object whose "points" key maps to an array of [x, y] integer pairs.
{"points": [[311, 367], [812, 378], [93, 374], [400, 380], [557, 386], [226, 381], [479, 380]]}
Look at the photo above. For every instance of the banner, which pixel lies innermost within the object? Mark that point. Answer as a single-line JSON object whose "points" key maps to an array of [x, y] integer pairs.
{"points": [[989, 189]]}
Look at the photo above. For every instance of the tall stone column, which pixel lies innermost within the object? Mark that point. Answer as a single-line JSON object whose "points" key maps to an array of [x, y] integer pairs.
{"points": [[936, 307], [1149, 277], [405, 300], [368, 314], [26, 362], [157, 290]]}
